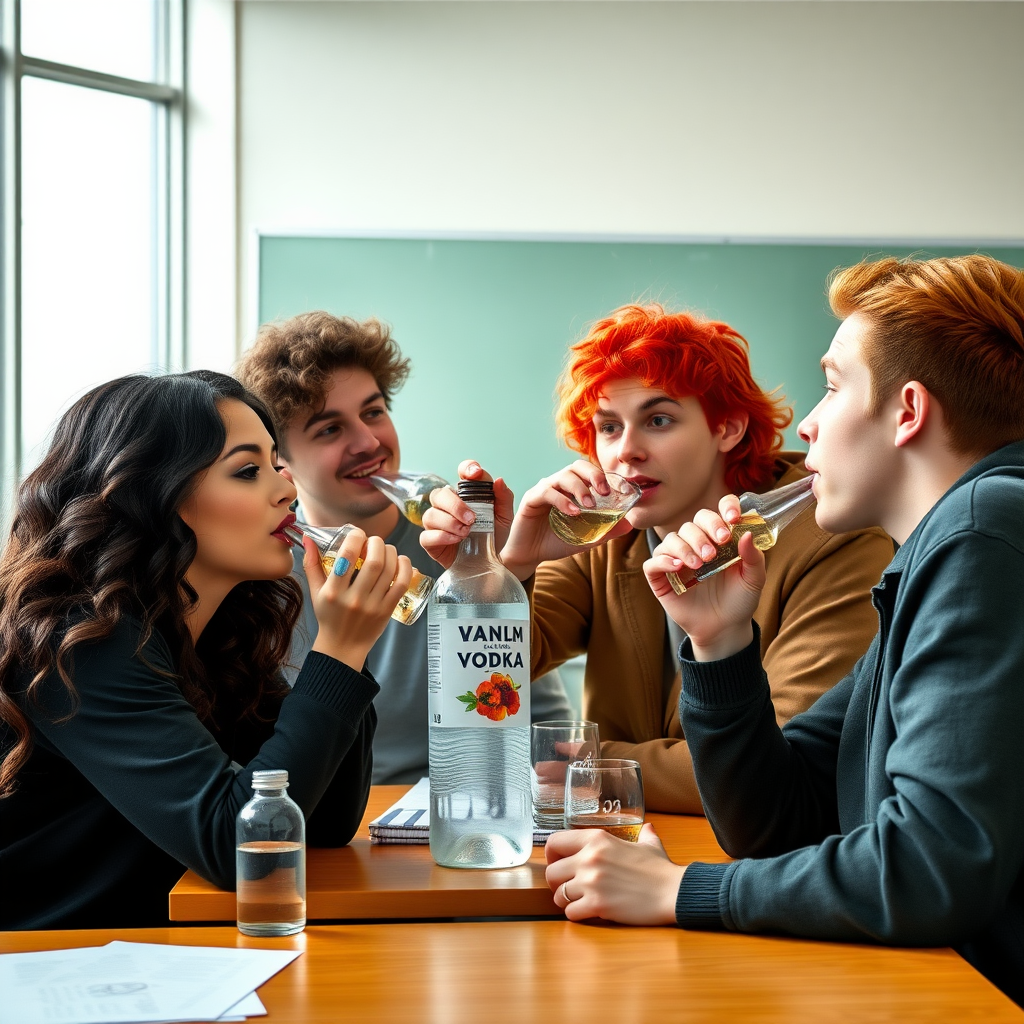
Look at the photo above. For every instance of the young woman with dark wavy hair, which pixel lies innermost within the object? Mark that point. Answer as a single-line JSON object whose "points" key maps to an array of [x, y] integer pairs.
{"points": [[145, 611], [668, 400]]}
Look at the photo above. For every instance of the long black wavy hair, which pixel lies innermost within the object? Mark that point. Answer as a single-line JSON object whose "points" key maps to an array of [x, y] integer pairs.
{"points": [[96, 537]]}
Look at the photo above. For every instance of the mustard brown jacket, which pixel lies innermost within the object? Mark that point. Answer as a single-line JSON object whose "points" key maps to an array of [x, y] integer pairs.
{"points": [[815, 616]]}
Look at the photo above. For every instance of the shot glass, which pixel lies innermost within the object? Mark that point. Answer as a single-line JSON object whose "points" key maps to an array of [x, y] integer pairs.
{"points": [[328, 540], [607, 793], [593, 523], [409, 491], [553, 745]]}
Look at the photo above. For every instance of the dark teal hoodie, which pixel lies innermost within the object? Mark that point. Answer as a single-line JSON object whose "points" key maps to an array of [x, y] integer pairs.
{"points": [[892, 810]]}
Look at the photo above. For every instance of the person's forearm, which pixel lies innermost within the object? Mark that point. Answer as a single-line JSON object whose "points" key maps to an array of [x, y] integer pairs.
{"points": [[340, 810], [723, 645], [760, 795], [521, 568]]}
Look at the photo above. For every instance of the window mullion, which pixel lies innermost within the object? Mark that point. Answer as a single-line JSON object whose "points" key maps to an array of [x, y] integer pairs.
{"points": [[166, 94], [10, 260], [70, 75]]}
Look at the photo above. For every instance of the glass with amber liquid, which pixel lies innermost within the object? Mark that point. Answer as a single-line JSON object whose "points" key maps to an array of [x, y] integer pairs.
{"points": [[329, 539], [593, 523], [409, 491], [763, 516], [605, 793]]}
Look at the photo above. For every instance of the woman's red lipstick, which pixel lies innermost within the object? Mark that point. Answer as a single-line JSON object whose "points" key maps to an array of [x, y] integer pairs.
{"points": [[279, 532]]}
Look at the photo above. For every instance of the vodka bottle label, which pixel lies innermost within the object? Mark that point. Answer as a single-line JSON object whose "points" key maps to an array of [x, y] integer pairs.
{"points": [[478, 673], [484, 522]]}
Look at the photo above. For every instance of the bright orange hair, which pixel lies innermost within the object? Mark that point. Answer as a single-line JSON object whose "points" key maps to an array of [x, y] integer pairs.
{"points": [[683, 354]]}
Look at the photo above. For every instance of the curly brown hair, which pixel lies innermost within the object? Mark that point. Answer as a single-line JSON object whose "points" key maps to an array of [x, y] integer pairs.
{"points": [[290, 365]]}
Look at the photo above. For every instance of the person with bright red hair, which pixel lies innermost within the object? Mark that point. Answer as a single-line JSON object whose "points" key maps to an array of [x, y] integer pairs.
{"points": [[668, 401], [892, 811]]}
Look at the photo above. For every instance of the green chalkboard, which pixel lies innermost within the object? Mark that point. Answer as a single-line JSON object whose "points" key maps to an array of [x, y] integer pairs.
{"points": [[487, 323]]}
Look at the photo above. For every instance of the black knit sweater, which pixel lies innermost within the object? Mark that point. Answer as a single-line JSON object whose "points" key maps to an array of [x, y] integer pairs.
{"points": [[116, 801]]}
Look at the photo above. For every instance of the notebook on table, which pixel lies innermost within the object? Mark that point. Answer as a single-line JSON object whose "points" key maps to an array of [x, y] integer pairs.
{"points": [[407, 821]]}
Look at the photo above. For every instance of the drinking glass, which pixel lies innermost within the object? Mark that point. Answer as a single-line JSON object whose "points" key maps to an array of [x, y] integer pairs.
{"points": [[763, 516], [552, 746], [328, 540], [409, 491], [607, 793], [593, 523]]}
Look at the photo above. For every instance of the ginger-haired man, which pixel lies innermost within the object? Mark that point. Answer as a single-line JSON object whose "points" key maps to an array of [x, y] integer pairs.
{"points": [[668, 400], [893, 809]]}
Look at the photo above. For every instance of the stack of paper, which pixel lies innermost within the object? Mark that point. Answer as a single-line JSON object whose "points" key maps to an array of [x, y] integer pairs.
{"points": [[137, 982], [408, 820]]}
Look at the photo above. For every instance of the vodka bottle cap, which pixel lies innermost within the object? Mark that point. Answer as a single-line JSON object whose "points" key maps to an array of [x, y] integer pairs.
{"points": [[476, 490]]}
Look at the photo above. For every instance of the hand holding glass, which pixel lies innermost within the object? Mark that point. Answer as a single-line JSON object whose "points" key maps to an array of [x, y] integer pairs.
{"points": [[593, 523], [764, 515], [608, 794], [552, 746], [329, 539]]}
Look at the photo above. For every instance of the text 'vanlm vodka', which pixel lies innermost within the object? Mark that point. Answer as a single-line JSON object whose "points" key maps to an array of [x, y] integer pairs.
{"points": [[478, 637]]}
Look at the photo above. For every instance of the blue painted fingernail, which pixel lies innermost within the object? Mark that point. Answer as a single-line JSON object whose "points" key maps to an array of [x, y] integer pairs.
{"points": [[341, 566]]}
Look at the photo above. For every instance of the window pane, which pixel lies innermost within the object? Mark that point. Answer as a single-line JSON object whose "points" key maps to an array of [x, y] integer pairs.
{"points": [[88, 247], [114, 36]]}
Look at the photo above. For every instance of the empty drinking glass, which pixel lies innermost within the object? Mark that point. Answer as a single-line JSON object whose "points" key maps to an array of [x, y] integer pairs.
{"points": [[553, 745]]}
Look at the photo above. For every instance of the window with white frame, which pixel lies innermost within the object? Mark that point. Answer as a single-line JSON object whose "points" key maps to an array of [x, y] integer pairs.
{"points": [[92, 205]]}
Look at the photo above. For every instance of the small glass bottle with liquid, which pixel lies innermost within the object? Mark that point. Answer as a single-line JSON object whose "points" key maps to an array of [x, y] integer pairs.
{"points": [[763, 516], [270, 859]]}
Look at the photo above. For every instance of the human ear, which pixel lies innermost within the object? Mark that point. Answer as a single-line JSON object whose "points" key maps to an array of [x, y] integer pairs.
{"points": [[732, 430], [913, 406], [285, 470]]}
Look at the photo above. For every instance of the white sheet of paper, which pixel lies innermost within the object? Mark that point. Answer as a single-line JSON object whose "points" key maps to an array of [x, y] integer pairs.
{"points": [[416, 799], [133, 982], [250, 1006]]}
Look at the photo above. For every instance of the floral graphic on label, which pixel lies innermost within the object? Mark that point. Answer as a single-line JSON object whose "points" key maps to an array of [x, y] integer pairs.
{"points": [[495, 698]]}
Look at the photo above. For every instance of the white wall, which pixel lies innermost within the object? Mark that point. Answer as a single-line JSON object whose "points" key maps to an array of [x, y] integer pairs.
{"points": [[211, 235], [807, 119]]}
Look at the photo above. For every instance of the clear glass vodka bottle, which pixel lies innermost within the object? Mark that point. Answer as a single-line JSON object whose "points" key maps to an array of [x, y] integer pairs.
{"points": [[478, 636]]}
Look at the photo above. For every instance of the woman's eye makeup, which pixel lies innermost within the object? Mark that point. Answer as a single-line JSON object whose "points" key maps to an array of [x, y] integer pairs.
{"points": [[247, 472]]}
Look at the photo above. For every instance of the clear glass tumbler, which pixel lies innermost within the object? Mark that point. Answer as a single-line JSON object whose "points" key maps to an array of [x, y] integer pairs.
{"points": [[553, 745]]}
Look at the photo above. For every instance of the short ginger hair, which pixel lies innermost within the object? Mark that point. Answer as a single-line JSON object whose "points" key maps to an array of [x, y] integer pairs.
{"points": [[956, 325], [686, 355], [290, 365]]}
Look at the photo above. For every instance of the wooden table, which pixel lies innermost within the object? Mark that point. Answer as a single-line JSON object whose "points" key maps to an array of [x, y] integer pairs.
{"points": [[524, 971], [363, 881]]}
